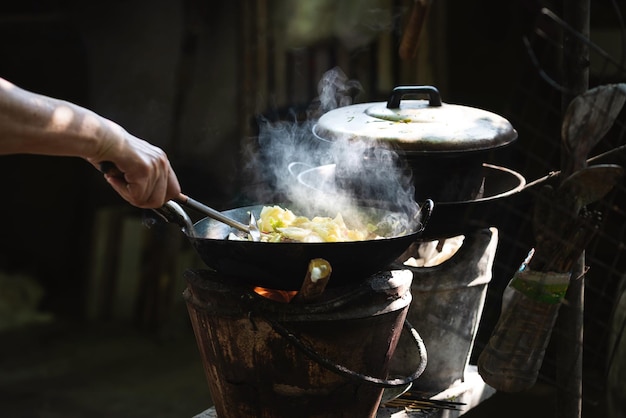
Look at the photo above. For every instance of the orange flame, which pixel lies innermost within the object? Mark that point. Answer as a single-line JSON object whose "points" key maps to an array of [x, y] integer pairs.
{"points": [[283, 296]]}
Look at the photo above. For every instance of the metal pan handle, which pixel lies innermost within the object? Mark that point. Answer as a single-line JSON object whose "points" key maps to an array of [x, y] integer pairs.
{"points": [[434, 98], [173, 213], [339, 369]]}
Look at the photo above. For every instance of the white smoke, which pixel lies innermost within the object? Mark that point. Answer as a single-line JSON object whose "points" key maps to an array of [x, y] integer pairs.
{"points": [[343, 174]]}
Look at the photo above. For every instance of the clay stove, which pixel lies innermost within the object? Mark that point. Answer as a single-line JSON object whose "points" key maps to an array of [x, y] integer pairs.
{"points": [[328, 358]]}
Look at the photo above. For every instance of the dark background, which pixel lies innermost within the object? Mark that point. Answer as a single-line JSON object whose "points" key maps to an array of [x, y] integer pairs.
{"points": [[192, 76]]}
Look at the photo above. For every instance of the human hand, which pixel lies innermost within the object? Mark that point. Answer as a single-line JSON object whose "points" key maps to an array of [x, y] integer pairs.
{"points": [[138, 171], [31, 123]]}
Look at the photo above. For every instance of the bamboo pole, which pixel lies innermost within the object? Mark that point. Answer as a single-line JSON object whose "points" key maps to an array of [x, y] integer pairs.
{"points": [[569, 324]]}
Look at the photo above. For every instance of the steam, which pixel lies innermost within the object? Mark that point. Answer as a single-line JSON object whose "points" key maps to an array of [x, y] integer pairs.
{"points": [[322, 176]]}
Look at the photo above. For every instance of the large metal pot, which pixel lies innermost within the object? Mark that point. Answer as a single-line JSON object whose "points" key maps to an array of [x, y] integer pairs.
{"points": [[447, 219], [283, 265], [444, 144]]}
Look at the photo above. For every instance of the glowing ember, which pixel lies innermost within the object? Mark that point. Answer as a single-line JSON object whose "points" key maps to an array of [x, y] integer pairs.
{"points": [[283, 296]]}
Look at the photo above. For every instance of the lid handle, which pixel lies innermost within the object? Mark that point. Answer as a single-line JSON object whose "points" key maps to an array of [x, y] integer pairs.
{"points": [[434, 99]]}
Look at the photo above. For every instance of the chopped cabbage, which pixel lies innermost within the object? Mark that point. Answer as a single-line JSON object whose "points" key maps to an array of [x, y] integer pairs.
{"points": [[278, 224]]}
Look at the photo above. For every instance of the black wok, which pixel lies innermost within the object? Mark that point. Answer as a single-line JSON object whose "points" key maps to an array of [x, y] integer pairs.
{"points": [[283, 265]]}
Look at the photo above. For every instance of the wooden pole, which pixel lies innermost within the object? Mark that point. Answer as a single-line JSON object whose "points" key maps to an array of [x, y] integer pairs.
{"points": [[569, 324]]}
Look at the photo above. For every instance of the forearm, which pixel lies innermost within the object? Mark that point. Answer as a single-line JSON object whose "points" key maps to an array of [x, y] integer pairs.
{"points": [[34, 124]]}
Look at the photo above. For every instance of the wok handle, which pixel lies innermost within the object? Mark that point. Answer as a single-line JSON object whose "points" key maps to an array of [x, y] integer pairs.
{"points": [[210, 212], [339, 369], [434, 98], [107, 167], [173, 213], [169, 212]]}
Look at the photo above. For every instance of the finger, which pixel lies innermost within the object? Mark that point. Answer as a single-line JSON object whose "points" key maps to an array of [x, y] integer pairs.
{"points": [[159, 187], [157, 198], [173, 187], [135, 193], [121, 187], [165, 187], [147, 185]]}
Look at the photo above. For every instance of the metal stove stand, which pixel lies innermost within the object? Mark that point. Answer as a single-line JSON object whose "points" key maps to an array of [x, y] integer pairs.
{"points": [[471, 392]]}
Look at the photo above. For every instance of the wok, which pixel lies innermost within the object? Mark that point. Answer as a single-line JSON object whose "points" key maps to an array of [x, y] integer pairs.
{"points": [[283, 265]]}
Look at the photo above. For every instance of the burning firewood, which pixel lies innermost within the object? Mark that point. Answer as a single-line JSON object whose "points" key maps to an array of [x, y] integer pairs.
{"points": [[317, 276]]}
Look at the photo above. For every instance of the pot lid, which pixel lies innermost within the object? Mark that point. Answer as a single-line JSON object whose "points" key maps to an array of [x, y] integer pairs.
{"points": [[418, 126]]}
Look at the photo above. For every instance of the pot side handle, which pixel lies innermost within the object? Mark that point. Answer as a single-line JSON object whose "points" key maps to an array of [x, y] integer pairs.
{"points": [[434, 98], [297, 167], [425, 212]]}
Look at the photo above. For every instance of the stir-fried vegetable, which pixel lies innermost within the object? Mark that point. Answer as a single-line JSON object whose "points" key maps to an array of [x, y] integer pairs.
{"points": [[279, 224]]}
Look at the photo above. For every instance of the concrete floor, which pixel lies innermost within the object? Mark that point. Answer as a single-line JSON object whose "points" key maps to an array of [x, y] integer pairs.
{"points": [[66, 370]]}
